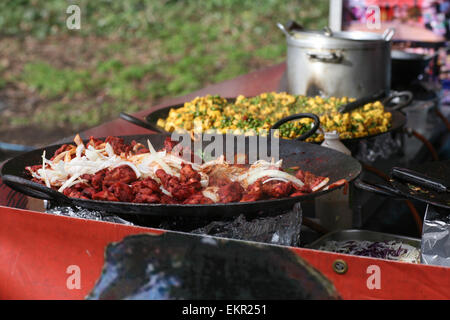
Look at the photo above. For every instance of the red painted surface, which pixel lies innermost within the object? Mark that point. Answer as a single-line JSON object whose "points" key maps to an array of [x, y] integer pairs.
{"points": [[37, 248], [398, 280]]}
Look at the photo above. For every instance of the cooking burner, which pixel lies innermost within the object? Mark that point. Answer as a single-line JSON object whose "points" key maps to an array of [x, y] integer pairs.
{"points": [[280, 229]]}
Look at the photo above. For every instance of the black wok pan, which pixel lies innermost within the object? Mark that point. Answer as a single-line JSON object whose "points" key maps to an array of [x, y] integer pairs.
{"points": [[406, 67], [398, 120], [310, 157]]}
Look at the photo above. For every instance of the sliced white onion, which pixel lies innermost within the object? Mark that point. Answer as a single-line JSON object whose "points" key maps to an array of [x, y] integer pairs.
{"points": [[79, 150], [165, 191], [91, 155], [69, 182], [218, 160], [265, 164], [204, 179], [275, 179], [109, 150], [253, 176], [321, 184], [44, 173], [163, 165], [59, 157], [211, 193]]}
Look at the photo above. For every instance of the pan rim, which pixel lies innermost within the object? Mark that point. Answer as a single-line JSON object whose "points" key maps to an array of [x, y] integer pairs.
{"points": [[399, 116]]}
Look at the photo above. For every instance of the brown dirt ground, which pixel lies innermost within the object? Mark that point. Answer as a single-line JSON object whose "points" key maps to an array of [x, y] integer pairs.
{"points": [[16, 99]]}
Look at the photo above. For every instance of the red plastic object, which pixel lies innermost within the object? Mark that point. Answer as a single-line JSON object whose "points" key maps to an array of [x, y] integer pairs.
{"points": [[39, 252]]}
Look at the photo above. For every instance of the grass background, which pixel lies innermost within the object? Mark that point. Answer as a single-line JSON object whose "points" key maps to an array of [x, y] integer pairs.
{"points": [[128, 55]]}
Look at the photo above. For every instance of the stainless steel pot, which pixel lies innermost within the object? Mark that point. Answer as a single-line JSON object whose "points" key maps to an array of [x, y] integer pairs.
{"points": [[325, 63]]}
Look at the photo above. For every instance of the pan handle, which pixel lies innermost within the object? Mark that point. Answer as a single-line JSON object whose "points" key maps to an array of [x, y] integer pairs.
{"points": [[139, 122], [361, 102], [34, 189], [408, 97], [418, 178], [380, 189], [300, 116]]}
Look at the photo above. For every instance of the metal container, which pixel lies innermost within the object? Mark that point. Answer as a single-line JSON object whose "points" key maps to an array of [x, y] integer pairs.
{"points": [[363, 235], [353, 64]]}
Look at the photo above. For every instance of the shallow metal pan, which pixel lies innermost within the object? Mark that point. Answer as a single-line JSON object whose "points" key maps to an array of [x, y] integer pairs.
{"points": [[362, 235]]}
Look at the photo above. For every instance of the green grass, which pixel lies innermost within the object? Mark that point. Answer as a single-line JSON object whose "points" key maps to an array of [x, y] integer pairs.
{"points": [[185, 44], [51, 82]]}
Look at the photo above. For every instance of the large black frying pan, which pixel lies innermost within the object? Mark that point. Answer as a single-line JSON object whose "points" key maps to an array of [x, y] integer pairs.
{"points": [[406, 67], [310, 157], [398, 119], [402, 189]]}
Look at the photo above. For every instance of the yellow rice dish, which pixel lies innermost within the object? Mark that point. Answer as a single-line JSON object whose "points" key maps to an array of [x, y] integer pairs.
{"points": [[256, 115]]}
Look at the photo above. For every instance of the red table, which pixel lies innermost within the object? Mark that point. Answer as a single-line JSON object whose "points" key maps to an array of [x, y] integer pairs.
{"points": [[40, 253]]}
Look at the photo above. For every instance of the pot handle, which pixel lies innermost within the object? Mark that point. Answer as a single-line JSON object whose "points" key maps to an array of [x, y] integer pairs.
{"points": [[139, 122], [331, 57], [300, 116], [34, 189], [283, 29], [388, 34], [402, 104], [379, 189], [292, 25]]}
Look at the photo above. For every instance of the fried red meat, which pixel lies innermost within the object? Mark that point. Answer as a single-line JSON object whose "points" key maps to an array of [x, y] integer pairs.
{"points": [[339, 183], [79, 190], [147, 198], [169, 144], [122, 174], [277, 189], [254, 192], [34, 168], [94, 142], [138, 148], [218, 181], [181, 151], [122, 191], [146, 191], [309, 179], [165, 199], [231, 192], [198, 198], [118, 144], [183, 188], [147, 186], [104, 195], [97, 179], [63, 148], [190, 177]]}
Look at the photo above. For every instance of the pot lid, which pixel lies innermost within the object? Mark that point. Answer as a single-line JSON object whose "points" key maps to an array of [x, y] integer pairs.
{"points": [[327, 38]]}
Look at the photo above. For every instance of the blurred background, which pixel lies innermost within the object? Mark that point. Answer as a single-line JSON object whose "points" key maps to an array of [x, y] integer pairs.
{"points": [[127, 56]]}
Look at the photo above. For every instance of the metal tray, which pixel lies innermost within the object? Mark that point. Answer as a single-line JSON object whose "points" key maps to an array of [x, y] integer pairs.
{"points": [[362, 235]]}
